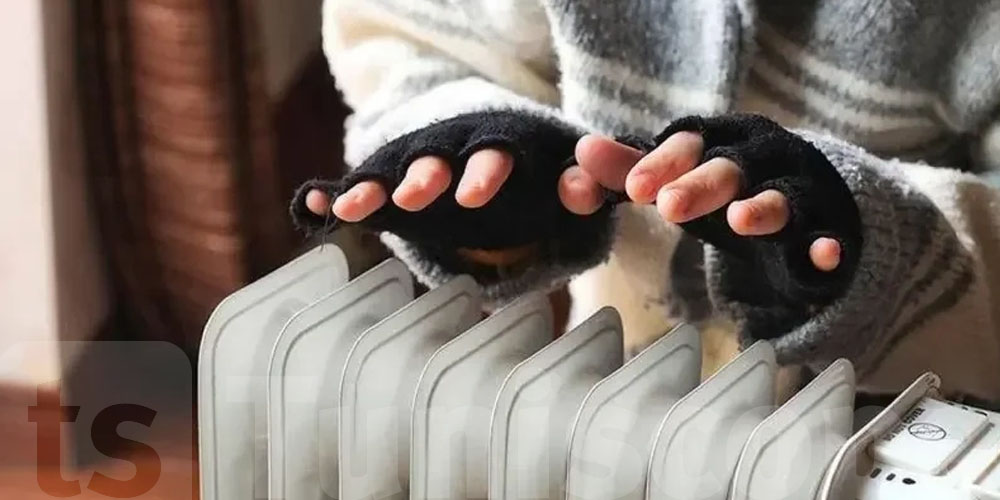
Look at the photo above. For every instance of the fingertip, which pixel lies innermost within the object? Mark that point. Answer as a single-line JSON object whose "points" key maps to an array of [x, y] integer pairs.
{"points": [[579, 193], [641, 185], [765, 213], [426, 179], [825, 254], [343, 208], [588, 145], [472, 196], [403, 196], [485, 173], [317, 202], [359, 201], [740, 216], [672, 204]]}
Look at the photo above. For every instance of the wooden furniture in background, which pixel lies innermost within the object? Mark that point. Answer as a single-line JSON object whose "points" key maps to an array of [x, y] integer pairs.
{"points": [[192, 161]]}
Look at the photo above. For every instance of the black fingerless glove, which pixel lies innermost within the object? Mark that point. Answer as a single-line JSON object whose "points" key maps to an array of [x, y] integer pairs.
{"points": [[774, 273], [525, 211]]}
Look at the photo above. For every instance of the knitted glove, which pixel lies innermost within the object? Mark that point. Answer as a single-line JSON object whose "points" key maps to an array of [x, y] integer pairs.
{"points": [[774, 274], [526, 210]]}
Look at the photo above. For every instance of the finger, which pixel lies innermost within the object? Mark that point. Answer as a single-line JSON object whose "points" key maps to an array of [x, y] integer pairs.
{"points": [[699, 192], [425, 180], [605, 160], [579, 192], [766, 213], [825, 254], [359, 202], [676, 156], [318, 202], [484, 174]]}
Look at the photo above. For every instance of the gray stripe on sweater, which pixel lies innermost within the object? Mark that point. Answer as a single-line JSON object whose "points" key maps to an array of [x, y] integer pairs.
{"points": [[879, 142], [660, 35], [439, 24], [775, 59], [658, 106], [890, 41]]}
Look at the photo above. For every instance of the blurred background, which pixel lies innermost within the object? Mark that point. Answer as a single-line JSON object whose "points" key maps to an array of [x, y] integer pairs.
{"points": [[150, 149]]}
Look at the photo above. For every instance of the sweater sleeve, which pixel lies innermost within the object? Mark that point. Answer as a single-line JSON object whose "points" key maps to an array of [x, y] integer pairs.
{"points": [[925, 294], [403, 66]]}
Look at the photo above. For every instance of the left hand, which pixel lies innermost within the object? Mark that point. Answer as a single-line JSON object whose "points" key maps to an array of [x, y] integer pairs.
{"points": [[683, 189]]}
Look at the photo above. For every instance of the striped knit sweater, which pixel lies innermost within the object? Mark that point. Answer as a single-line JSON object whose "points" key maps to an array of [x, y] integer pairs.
{"points": [[882, 87]]}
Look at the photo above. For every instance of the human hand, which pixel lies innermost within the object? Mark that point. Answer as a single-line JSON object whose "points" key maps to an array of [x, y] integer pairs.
{"points": [[480, 186], [687, 185], [426, 179]]}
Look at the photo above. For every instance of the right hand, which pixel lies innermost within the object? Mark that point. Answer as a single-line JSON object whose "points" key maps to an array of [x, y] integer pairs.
{"points": [[477, 187], [428, 177]]}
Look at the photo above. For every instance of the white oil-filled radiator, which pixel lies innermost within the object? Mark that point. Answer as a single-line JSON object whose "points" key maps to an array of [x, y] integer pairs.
{"points": [[316, 386]]}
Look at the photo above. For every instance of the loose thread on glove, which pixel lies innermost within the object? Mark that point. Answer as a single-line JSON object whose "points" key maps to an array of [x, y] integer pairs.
{"points": [[326, 224]]}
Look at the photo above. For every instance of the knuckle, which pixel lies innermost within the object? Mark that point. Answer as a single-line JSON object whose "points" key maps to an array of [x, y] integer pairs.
{"points": [[438, 172], [484, 156], [775, 203], [674, 164], [712, 182], [706, 186], [694, 144], [728, 168], [364, 189]]}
